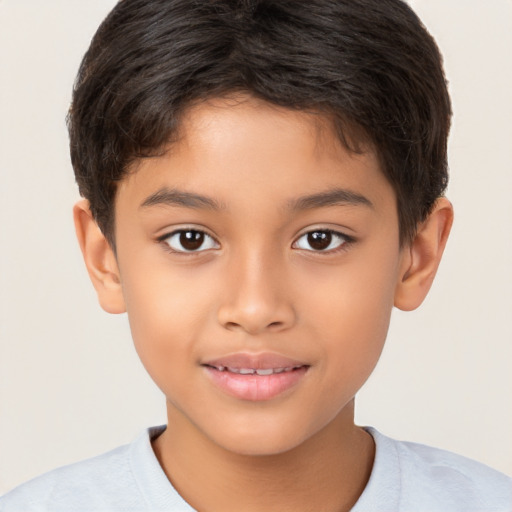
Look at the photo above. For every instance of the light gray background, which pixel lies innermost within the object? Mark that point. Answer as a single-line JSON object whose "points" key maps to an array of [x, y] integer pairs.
{"points": [[71, 385]]}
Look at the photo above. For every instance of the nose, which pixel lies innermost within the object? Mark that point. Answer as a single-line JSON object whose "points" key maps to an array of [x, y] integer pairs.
{"points": [[257, 297]]}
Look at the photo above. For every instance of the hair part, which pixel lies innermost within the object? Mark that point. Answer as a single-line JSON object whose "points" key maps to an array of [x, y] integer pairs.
{"points": [[368, 65]]}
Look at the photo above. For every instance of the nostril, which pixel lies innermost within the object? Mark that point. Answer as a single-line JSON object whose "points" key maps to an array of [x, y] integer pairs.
{"points": [[251, 328], [256, 318]]}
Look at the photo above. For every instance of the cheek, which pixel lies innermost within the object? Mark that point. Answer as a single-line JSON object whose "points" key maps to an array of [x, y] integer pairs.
{"points": [[159, 297], [352, 298], [165, 314], [171, 309], [351, 308]]}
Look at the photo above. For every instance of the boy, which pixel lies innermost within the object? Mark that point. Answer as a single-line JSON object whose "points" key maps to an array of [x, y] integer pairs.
{"points": [[263, 182]]}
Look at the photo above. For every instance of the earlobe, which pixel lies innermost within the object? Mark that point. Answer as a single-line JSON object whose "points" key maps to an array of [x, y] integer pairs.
{"points": [[421, 258], [99, 259]]}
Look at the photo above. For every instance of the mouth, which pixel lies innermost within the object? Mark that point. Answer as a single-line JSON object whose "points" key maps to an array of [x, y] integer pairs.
{"points": [[257, 371], [255, 377]]}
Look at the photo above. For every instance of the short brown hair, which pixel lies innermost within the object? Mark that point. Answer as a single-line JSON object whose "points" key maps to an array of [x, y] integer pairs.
{"points": [[370, 65]]}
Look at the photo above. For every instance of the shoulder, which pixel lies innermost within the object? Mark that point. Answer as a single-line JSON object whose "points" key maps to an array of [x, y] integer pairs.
{"points": [[104, 482], [430, 477], [69, 486]]}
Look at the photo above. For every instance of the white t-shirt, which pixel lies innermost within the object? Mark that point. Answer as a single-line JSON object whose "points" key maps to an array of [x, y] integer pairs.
{"points": [[406, 477]]}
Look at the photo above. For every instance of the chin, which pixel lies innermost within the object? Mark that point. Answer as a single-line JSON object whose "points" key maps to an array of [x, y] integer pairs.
{"points": [[259, 440], [258, 447]]}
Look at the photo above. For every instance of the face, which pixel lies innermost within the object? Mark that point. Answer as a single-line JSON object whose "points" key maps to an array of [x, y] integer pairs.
{"points": [[258, 260]]}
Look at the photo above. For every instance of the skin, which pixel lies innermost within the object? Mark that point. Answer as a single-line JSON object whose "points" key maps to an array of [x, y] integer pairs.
{"points": [[257, 285]]}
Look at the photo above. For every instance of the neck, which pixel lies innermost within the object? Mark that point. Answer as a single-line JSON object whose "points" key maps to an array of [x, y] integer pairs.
{"points": [[326, 472]]}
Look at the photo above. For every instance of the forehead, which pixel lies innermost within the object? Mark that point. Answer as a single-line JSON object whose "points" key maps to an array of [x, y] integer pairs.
{"points": [[240, 148], [238, 115]]}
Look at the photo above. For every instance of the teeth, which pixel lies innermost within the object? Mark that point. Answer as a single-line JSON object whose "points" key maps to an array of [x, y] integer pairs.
{"points": [[268, 371], [257, 371]]}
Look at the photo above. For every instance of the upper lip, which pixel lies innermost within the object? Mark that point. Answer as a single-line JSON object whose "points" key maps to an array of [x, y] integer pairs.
{"points": [[262, 361]]}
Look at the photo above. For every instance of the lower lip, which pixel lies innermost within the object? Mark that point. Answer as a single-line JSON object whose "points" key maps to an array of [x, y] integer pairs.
{"points": [[255, 387]]}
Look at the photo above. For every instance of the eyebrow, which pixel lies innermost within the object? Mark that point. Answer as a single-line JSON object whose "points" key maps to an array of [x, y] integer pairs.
{"points": [[331, 197], [174, 197]]}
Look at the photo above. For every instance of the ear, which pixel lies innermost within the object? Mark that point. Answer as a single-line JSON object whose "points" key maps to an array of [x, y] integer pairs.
{"points": [[99, 258], [421, 258]]}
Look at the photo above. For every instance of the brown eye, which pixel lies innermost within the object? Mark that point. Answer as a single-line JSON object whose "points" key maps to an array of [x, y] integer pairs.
{"points": [[190, 240], [321, 240]]}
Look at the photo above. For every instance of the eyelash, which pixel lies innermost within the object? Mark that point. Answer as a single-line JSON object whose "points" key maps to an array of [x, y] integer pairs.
{"points": [[164, 239], [345, 241]]}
